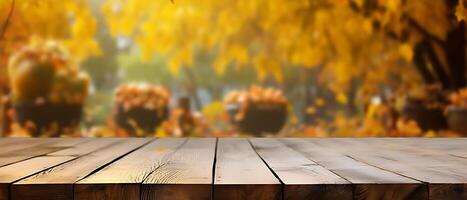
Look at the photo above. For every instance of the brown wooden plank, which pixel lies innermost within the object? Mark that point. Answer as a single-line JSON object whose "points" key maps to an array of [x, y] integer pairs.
{"points": [[5, 141], [31, 147], [437, 150], [67, 142], [187, 174], [17, 171], [446, 175], [302, 178], [87, 147], [17, 145], [369, 182], [122, 179], [21, 146], [407, 155], [57, 182], [241, 174]]}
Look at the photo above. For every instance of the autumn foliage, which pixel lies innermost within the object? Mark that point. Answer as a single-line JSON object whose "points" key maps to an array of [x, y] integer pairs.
{"points": [[351, 51]]}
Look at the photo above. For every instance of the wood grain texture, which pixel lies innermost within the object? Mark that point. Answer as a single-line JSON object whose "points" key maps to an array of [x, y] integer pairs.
{"points": [[369, 182], [187, 174], [255, 168], [25, 145], [241, 174], [23, 169], [438, 169], [10, 145], [19, 149], [57, 182], [125, 175], [302, 178], [87, 147]]}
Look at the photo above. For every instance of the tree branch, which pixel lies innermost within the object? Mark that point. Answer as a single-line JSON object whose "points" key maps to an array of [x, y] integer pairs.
{"points": [[3, 121], [424, 32], [7, 21], [436, 64], [455, 50], [420, 64]]}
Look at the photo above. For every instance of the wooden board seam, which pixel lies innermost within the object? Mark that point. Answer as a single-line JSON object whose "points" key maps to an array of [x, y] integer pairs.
{"points": [[49, 169], [114, 160], [214, 168], [270, 169], [317, 163], [46, 170], [44, 154], [154, 168], [349, 156]]}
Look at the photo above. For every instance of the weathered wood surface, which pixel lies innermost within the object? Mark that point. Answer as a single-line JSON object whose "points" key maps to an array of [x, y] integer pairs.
{"points": [[241, 174], [123, 178], [17, 171], [18, 149], [59, 180], [370, 182], [433, 164], [225, 168], [302, 177], [187, 174]]}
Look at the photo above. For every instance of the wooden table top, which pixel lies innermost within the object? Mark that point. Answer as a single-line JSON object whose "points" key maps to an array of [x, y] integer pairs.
{"points": [[233, 168]]}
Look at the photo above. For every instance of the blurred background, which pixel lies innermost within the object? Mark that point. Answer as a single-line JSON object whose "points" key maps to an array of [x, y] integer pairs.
{"points": [[305, 68]]}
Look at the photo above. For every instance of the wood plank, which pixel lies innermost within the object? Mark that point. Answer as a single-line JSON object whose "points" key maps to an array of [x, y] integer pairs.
{"points": [[187, 174], [17, 171], [6, 141], [24, 149], [369, 182], [17, 146], [241, 174], [302, 178], [413, 157], [436, 150], [87, 147], [451, 147], [57, 182], [12, 147], [446, 175], [68, 142], [122, 179]]}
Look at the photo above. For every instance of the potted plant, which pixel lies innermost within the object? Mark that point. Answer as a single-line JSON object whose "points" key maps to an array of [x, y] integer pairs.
{"points": [[426, 107], [140, 108], [456, 112], [257, 110], [48, 90]]}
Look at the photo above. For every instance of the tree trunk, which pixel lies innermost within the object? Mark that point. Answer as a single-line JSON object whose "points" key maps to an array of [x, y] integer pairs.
{"points": [[455, 53], [2, 114], [193, 87], [438, 69], [308, 96], [421, 65]]}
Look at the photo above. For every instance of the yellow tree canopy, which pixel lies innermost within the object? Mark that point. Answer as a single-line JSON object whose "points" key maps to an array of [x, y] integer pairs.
{"points": [[368, 39], [69, 21]]}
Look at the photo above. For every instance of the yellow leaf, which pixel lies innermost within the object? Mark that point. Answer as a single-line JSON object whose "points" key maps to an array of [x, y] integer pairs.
{"points": [[161, 133], [430, 133], [319, 102], [220, 64], [213, 110], [461, 11], [311, 110], [341, 98], [174, 66], [359, 3], [405, 50]]}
